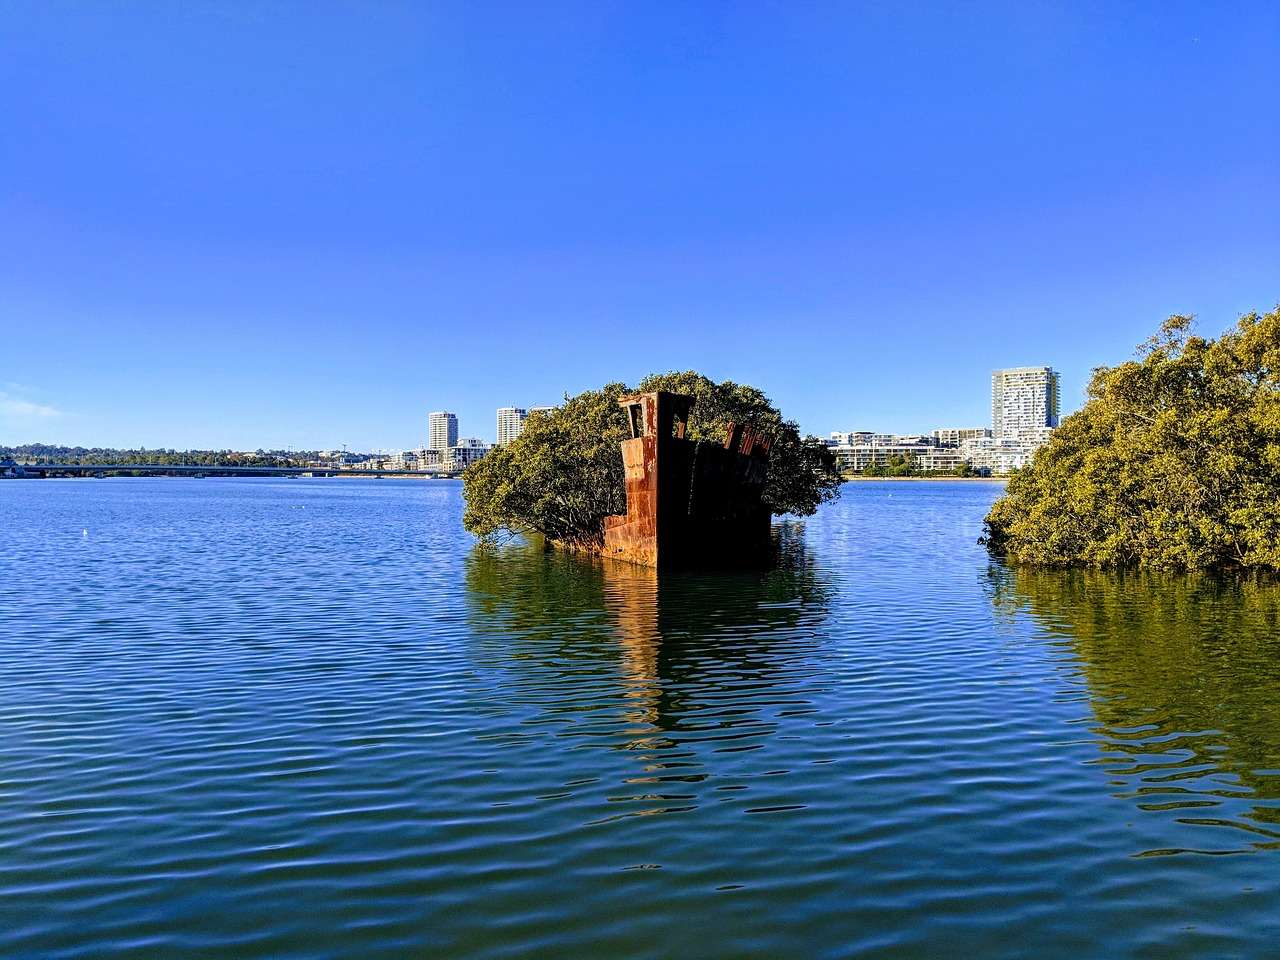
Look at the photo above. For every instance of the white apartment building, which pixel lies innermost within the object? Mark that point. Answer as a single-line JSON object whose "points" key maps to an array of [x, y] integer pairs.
{"points": [[443, 430], [857, 450], [466, 452], [403, 460], [510, 423], [855, 438], [954, 436], [1037, 437], [1024, 402], [1024, 412], [998, 455]]}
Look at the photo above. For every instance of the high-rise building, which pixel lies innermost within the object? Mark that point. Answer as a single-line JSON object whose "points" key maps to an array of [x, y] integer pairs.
{"points": [[510, 423], [443, 430], [1024, 403]]}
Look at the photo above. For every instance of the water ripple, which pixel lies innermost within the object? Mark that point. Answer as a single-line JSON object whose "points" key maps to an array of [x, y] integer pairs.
{"points": [[233, 726]]}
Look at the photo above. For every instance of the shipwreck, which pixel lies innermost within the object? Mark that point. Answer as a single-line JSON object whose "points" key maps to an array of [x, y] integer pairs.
{"points": [[689, 503]]}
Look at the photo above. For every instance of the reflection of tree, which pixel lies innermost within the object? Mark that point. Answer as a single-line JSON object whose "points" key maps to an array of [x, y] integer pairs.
{"points": [[548, 596], [1184, 675], [686, 642]]}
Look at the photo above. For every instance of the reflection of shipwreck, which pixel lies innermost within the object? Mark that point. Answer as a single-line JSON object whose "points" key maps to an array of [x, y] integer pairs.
{"points": [[689, 504]]}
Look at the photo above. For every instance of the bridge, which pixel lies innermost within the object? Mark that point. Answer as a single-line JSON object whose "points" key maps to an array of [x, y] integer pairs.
{"points": [[29, 470]]}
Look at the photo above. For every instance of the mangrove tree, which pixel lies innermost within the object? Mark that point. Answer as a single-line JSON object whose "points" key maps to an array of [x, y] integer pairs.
{"points": [[1173, 463], [563, 474]]}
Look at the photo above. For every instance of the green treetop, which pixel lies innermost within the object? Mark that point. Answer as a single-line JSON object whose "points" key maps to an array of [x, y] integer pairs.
{"points": [[563, 475], [1173, 463]]}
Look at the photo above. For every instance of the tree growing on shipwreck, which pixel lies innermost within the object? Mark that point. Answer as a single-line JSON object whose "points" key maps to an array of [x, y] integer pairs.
{"points": [[1172, 464], [564, 475]]}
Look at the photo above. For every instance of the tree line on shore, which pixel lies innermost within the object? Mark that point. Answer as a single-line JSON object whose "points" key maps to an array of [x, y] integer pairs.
{"points": [[39, 453]]}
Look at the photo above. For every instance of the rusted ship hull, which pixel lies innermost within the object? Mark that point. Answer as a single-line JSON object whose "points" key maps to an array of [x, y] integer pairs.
{"points": [[689, 504]]}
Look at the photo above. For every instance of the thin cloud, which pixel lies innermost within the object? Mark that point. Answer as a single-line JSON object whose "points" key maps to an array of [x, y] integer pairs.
{"points": [[11, 406]]}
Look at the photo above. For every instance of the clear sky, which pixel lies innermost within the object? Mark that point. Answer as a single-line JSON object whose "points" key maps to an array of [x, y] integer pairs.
{"points": [[305, 224]]}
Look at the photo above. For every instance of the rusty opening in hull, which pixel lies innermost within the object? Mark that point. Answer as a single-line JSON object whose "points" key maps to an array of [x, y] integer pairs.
{"points": [[689, 503]]}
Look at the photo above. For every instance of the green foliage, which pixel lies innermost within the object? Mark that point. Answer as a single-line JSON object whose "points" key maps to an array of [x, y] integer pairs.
{"points": [[897, 465], [563, 475], [802, 470], [901, 465], [1172, 464], [1189, 652]]}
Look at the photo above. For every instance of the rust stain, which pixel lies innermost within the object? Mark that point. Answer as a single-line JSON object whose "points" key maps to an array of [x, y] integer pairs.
{"points": [[689, 504]]}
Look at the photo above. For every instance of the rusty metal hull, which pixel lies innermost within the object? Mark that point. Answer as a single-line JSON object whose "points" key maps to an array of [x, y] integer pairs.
{"points": [[689, 504]]}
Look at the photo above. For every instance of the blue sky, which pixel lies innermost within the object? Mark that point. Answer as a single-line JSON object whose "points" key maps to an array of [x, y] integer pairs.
{"points": [[308, 224]]}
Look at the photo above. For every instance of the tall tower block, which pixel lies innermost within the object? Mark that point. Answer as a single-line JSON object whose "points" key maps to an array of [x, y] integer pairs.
{"points": [[1024, 401]]}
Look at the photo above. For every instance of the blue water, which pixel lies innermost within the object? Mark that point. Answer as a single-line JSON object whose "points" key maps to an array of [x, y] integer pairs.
{"points": [[307, 718]]}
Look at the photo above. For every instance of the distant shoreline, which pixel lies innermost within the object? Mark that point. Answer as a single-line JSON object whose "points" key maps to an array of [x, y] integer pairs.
{"points": [[918, 479]]}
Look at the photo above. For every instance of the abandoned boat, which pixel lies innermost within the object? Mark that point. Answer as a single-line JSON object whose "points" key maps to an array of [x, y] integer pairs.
{"points": [[689, 503]]}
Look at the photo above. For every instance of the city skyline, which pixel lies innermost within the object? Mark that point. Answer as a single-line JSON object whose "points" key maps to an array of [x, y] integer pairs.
{"points": [[509, 420], [443, 429], [250, 225]]}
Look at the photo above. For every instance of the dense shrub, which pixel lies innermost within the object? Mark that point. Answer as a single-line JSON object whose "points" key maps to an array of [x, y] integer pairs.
{"points": [[563, 475], [1173, 463]]}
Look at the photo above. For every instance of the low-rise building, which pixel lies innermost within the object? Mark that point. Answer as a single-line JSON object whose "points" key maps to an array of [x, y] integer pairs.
{"points": [[947, 459], [946, 450], [998, 454], [467, 451], [859, 449], [954, 436]]}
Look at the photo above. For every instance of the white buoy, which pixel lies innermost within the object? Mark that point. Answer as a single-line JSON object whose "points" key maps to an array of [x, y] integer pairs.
{"points": [[86, 533]]}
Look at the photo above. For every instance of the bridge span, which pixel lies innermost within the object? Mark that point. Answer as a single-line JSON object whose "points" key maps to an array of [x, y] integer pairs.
{"points": [[30, 470]]}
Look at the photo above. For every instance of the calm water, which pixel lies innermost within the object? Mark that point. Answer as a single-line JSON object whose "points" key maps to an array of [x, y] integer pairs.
{"points": [[251, 718]]}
